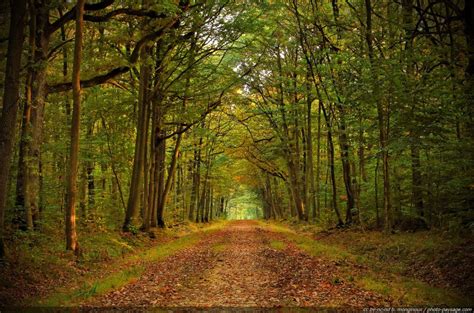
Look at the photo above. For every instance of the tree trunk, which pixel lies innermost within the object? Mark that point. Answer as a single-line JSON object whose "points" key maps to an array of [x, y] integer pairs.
{"points": [[197, 180], [140, 149], [28, 176], [160, 184], [417, 180], [318, 168], [71, 236], [194, 184], [90, 175], [331, 158], [309, 145], [383, 123], [82, 193], [469, 71], [10, 104], [290, 149], [167, 186], [346, 167], [407, 7], [376, 189], [23, 216]]}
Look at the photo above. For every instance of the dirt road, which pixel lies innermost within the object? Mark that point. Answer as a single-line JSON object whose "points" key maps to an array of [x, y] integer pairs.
{"points": [[242, 265]]}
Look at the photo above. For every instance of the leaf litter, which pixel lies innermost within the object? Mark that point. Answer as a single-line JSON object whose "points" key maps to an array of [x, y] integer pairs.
{"points": [[245, 271]]}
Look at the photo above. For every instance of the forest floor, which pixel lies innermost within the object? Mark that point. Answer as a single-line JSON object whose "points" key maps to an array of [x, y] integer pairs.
{"points": [[266, 264], [257, 264], [241, 265]]}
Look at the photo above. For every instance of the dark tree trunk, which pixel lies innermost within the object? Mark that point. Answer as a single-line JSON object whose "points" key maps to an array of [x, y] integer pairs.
{"points": [[28, 178], [90, 174], [469, 72], [417, 180], [10, 104], [160, 184], [346, 168]]}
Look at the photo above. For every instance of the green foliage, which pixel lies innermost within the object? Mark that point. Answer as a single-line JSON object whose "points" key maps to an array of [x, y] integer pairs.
{"points": [[248, 82], [244, 205]]}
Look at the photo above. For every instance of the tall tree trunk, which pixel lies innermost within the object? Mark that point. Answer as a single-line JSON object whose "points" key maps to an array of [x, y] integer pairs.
{"points": [[24, 216], [90, 174], [197, 180], [362, 171], [383, 123], [194, 182], [208, 208], [318, 167], [140, 149], [417, 180], [160, 184], [407, 8], [71, 236], [343, 141], [469, 71], [346, 167], [150, 216], [376, 189], [82, 193], [309, 145], [331, 156], [28, 176], [167, 186], [10, 104], [290, 150], [205, 190]]}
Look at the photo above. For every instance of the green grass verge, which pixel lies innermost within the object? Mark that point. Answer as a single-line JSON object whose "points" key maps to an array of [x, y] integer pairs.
{"points": [[407, 291], [313, 247], [278, 245], [219, 247]]}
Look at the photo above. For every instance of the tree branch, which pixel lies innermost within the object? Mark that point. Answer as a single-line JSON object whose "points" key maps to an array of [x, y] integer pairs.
{"points": [[126, 11], [184, 127], [71, 14], [97, 80], [101, 79]]}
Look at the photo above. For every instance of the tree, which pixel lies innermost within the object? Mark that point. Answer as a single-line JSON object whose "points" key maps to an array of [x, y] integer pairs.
{"points": [[71, 236], [10, 104]]}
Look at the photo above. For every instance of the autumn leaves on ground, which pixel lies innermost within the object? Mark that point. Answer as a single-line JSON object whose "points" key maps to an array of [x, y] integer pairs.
{"points": [[252, 264], [237, 266]]}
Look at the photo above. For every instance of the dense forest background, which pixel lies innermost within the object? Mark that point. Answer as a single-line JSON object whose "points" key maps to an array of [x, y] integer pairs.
{"points": [[120, 115], [125, 124]]}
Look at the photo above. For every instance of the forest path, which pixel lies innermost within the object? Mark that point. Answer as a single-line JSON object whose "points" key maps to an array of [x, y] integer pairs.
{"points": [[242, 265]]}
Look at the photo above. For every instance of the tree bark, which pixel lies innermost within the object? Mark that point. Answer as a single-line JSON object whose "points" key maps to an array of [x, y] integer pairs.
{"points": [[417, 180], [290, 150], [469, 71], [10, 104], [309, 145], [71, 236], [167, 186], [90, 175], [24, 216], [140, 150], [28, 176], [383, 124]]}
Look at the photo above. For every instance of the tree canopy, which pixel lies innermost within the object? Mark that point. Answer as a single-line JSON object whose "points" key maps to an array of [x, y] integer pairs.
{"points": [[150, 114]]}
